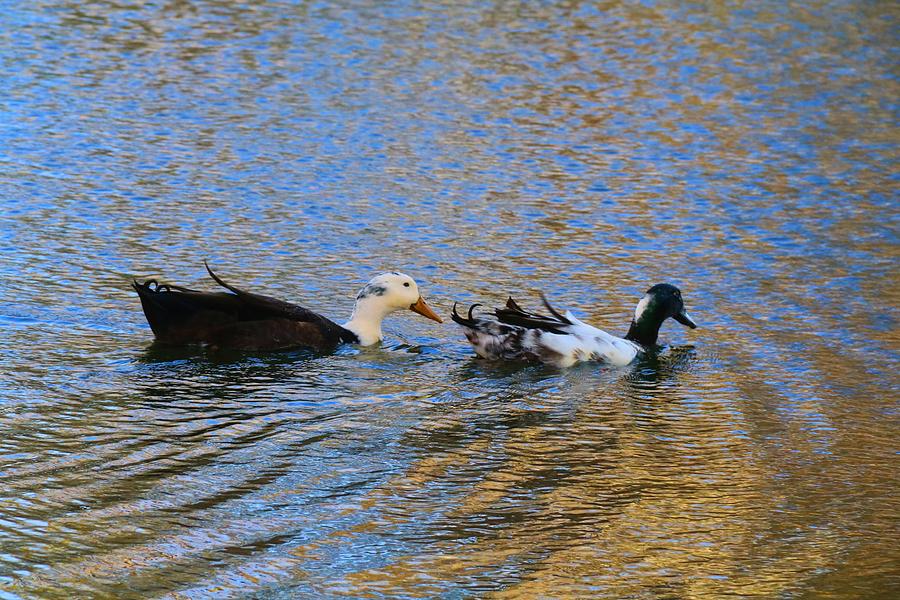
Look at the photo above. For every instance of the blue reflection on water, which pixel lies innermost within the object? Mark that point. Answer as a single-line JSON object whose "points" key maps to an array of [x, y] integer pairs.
{"points": [[747, 154]]}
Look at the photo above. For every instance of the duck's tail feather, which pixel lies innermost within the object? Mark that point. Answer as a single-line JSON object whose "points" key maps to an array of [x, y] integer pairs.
{"points": [[172, 311], [469, 321], [156, 300], [220, 281], [492, 339]]}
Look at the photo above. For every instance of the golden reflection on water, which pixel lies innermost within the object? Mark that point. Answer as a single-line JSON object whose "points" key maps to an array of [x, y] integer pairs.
{"points": [[742, 151]]}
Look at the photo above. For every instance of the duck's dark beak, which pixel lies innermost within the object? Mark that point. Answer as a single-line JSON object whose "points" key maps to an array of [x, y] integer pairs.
{"points": [[683, 318], [424, 310]]}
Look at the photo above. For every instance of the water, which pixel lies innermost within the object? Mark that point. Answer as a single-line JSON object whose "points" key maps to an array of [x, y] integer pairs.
{"points": [[745, 152]]}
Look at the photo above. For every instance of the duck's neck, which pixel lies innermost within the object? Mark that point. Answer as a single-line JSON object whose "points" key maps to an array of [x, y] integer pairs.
{"points": [[366, 320], [644, 331], [646, 322]]}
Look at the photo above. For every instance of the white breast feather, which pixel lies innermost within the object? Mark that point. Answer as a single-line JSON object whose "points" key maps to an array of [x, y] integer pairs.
{"points": [[583, 342]]}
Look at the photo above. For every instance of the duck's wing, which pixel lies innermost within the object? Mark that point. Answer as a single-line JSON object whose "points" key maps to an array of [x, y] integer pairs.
{"points": [[255, 307], [239, 319], [583, 342], [513, 314]]}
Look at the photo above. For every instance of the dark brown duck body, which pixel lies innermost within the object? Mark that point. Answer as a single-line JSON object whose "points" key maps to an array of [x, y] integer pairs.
{"points": [[238, 320]]}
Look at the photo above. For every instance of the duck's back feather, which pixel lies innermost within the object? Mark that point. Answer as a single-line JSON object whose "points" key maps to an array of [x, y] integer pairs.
{"points": [[562, 340], [242, 320]]}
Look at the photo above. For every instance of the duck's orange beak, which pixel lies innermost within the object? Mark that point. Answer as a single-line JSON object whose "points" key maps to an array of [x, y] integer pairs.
{"points": [[424, 310]]}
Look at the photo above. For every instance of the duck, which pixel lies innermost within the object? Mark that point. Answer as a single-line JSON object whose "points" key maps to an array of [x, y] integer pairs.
{"points": [[240, 320], [513, 333]]}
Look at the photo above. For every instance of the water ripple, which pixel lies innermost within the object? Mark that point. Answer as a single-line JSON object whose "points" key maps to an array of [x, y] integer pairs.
{"points": [[747, 154]]}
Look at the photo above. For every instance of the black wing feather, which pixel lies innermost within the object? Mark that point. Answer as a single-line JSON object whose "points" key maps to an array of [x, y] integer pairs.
{"points": [[258, 306], [238, 319], [513, 314]]}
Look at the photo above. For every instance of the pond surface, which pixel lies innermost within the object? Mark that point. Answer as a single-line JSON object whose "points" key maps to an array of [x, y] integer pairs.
{"points": [[747, 152]]}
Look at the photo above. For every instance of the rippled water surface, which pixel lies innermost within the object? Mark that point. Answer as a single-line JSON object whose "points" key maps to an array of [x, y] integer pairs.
{"points": [[747, 152]]}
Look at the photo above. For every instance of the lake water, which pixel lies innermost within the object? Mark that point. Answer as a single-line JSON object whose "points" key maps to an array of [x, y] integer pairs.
{"points": [[747, 152]]}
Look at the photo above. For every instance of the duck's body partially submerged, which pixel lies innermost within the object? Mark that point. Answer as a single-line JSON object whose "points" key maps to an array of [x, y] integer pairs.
{"points": [[563, 340], [247, 321]]}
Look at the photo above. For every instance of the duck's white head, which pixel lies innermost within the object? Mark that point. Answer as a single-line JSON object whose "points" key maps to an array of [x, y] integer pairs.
{"points": [[384, 294]]}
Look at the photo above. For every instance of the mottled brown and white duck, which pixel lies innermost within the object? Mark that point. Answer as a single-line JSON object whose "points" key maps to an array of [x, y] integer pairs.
{"points": [[562, 340], [247, 321]]}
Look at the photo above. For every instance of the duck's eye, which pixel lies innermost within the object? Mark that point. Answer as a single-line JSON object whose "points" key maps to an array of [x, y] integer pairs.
{"points": [[405, 284]]}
